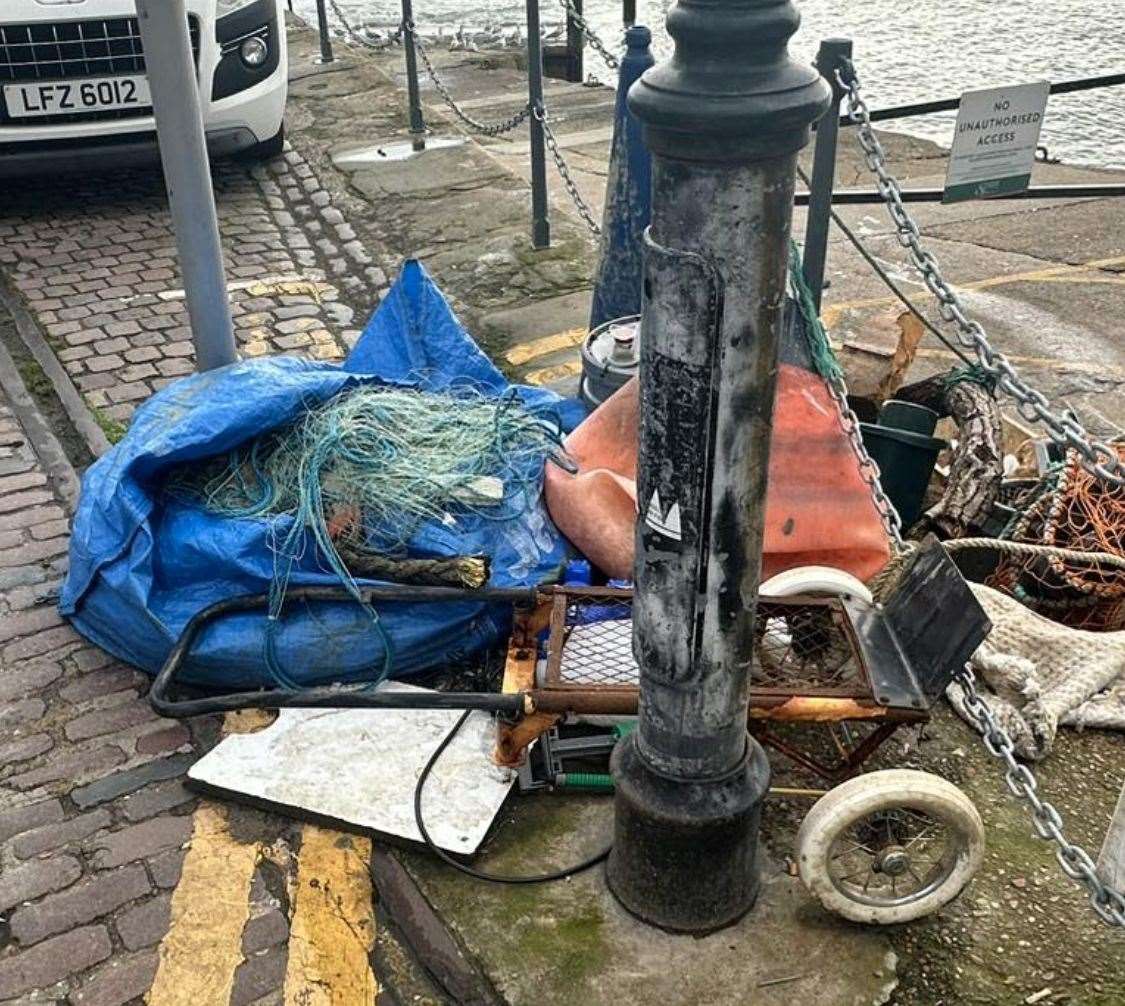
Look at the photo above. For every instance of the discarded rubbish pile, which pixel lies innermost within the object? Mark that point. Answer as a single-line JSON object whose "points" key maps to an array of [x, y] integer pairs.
{"points": [[245, 481], [342, 526]]}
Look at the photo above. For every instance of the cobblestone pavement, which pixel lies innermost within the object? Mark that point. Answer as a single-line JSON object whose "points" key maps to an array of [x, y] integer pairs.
{"points": [[96, 824], [96, 264], [92, 814], [115, 880]]}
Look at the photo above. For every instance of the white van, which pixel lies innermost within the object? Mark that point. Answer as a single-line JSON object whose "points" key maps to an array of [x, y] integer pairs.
{"points": [[73, 91]]}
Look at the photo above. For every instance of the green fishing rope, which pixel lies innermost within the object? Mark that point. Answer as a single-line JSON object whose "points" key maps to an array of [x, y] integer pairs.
{"points": [[820, 349], [371, 467]]}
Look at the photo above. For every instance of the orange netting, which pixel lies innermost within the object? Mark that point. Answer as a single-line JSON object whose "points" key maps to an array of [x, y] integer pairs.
{"points": [[1075, 510]]}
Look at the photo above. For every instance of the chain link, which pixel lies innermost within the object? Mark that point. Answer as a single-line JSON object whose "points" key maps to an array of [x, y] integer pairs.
{"points": [[356, 37], [1074, 861], [580, 204], [868, 469], [596, 43], [1097, 458], [484, 128]]}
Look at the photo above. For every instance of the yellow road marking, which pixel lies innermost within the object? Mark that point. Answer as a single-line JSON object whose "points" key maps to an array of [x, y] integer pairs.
{"points": [[527, 351], [547, 375], [333, 926], [1070, 273], [210, 906], [211, 903]]}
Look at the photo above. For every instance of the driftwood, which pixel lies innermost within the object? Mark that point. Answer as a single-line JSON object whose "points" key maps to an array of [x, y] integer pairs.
{"points": [[978, 464]]}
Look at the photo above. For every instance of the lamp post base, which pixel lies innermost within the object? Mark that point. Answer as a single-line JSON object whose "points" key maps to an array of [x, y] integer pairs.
{"points": [[685, 852]]}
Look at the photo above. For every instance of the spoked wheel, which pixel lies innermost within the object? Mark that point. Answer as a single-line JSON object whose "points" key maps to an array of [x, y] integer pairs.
{"points": [[890, 846]]}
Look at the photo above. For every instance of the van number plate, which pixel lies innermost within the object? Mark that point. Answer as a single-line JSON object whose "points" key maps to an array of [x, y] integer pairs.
{"points": [[69, 97]]}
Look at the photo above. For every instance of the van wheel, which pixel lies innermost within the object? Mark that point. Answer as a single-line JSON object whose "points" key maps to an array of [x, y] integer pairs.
{"points": [[267, 150], [891, 846]]}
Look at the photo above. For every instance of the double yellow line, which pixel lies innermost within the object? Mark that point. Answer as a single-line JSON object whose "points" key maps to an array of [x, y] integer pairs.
{"points": [[331, 930]]}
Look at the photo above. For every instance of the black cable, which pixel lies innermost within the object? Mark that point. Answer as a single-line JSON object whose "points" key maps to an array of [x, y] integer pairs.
{"points": [[882, 274], [494, 878]]}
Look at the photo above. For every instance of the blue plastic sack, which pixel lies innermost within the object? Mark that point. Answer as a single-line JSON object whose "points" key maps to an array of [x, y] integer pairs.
{"points": [[141, 565]]}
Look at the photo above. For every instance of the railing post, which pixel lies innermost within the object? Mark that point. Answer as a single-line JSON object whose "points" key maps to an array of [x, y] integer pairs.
{"points": [[629, 12], [575, 41], [828, 60], [325, 38], [540, 222], [417, 122], [723, 120], [187, 176]]}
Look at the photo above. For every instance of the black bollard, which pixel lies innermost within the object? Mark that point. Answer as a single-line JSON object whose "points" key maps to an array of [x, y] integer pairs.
{"points": [[724, 121], [413, 93], [326, 55]]}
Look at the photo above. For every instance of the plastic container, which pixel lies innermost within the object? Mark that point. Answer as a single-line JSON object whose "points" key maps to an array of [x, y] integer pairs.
{"points": [[902, 446]]}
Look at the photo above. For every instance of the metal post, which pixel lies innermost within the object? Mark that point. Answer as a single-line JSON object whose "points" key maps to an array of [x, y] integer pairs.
{"points": [[417, 123], [828, 60], [187, 175], [575, 42], [325, 39], [540, 223], [629, 12], [724, 120]]}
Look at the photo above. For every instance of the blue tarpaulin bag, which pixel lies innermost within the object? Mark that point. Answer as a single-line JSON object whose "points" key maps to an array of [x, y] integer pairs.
{"points": [[143, 563]]}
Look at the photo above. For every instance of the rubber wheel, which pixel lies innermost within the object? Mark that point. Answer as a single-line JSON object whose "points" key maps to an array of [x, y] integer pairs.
{"points": [[267, 150], [889, 847]]}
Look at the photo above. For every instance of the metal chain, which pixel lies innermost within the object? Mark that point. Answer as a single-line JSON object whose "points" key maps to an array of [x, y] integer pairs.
{"points": [[355, 36], [485, 128], [833, 376], [1097, 458], [1073, 859], [596, 43], [580, 204], [868, 469]]}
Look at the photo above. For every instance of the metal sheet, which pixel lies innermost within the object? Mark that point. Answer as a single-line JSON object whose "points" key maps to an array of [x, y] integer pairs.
{"points": [[359, 767]]}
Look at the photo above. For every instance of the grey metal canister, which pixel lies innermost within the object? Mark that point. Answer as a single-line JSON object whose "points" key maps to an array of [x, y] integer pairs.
{"points": [[610, 356]]}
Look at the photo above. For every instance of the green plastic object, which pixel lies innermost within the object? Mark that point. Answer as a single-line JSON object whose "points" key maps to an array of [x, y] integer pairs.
{"points": [[598, 782], [909, 417], [905, 456]]}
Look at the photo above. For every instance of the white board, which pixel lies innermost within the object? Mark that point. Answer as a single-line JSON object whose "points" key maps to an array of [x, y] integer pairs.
{"points": [[995, 140], [360, 766]]}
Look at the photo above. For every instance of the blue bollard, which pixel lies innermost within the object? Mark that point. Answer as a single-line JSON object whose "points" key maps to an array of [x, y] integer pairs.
{"points": [[628, 197]]}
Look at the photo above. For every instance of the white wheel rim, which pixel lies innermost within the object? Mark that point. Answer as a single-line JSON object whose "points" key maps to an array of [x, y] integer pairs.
{"points": [[893, 857]]}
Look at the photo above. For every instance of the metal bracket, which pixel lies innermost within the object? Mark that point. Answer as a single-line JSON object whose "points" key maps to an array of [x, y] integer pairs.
{"points": [[925, 632]]}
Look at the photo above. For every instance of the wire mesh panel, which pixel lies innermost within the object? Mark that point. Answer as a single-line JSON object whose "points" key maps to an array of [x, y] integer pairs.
{"points": [[800, 646], [804, 646], [593, 647]]}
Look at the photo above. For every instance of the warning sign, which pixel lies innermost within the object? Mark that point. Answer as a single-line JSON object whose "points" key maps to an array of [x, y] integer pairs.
{"points": [[994, 145]]}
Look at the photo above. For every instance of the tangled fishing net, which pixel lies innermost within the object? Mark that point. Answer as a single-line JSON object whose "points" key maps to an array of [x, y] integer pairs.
{"points": [[362, 473], [1069, 508]]}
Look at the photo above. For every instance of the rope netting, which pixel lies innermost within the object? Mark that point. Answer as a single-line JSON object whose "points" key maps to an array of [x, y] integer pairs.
{"points": [[359, 475], [1069, 508]]}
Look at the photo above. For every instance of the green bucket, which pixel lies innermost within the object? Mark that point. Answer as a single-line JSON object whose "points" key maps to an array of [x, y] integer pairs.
{"points": [[901, 445]]}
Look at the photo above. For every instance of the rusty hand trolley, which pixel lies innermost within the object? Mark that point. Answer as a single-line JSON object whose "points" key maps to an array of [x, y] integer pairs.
{"points": [[883, 847]]}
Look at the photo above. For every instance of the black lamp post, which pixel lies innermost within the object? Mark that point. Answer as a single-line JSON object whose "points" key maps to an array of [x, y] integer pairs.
{"points": [[724, 119]]}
